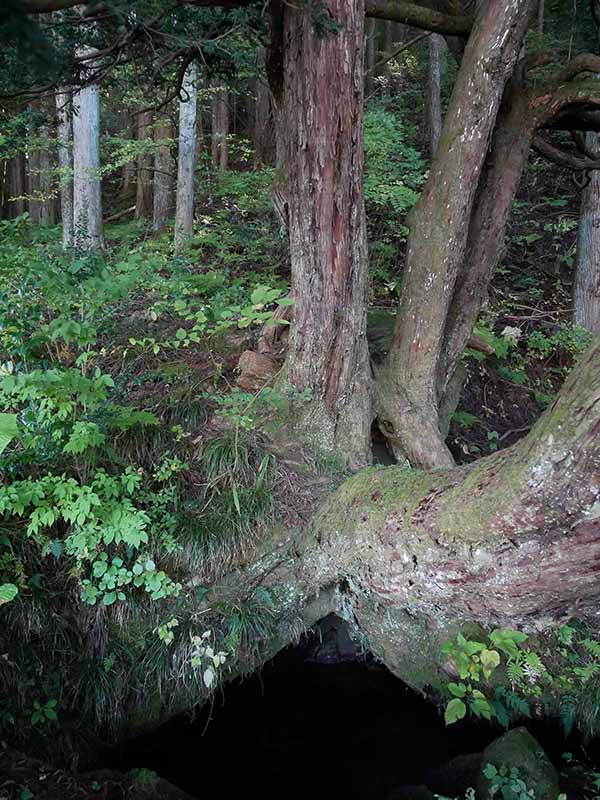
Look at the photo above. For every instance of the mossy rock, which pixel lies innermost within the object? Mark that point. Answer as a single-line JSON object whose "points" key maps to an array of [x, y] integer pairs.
{"points": [[519, 749]]}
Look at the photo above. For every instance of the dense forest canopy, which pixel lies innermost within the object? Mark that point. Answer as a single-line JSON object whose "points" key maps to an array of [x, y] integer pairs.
{"points": [[299, 314]]}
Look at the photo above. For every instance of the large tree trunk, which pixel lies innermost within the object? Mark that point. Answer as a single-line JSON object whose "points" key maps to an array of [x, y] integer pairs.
{"points": [[164, 183], [512, 540], [65, 163], [184, 213], [587, 271], [411, 556], [87, 196], [407, 386], [143, 195], [328, 356]]}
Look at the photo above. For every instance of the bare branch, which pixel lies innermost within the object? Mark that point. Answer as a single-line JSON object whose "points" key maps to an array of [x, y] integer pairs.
{"points": [[564, 158], [419, 16]]}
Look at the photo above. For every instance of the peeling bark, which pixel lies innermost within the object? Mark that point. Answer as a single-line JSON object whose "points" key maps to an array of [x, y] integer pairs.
{"points": [[328, 353]]}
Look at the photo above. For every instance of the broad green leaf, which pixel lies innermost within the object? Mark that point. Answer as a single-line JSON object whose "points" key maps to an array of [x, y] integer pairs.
{"points": [[490, 659], [455, 710], [9, 429], [8, 592]]}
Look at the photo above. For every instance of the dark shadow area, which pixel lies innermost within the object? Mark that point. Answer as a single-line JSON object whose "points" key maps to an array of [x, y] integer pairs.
{"points": [[317, 722]]}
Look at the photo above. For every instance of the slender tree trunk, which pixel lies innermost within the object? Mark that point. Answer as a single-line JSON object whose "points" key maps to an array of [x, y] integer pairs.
{"points": [[143, 197], [408, 390], [587, 271], [65, 163], [163, 175], [4, 183], [47, 206], [434, 92], [87, 196], [128, 169], [220, 126], [328, 358], [33, 169], [370, 55], [17, 186], [184, 214], [540, 18], [262, 112], [505, 163]]}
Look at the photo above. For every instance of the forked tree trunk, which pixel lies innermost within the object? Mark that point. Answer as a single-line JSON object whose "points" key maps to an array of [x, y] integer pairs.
{"points": [[143, 195], [328, 358], [87, 196], [65, 163], [504, 166], [407, 386], [587, 271], [164, 182], [184, 213]]}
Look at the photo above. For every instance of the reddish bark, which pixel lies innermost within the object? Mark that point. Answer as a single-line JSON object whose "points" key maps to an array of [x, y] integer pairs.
{"points": [[323, 114]]}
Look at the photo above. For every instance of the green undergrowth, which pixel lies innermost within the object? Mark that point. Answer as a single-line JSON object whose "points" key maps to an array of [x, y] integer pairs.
{"points": [[132, 475], [507, 675]]}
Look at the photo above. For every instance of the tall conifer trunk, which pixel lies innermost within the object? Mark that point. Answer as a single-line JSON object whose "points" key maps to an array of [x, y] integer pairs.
{"points": [[87, 197], [184, 212], [163, 200], [328, 358], [65, 162], [587, 272]]}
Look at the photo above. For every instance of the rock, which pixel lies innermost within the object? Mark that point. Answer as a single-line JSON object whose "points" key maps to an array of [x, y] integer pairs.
{"points": [[519, 749], [456, 776], [147, 785], [256, 370]]}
